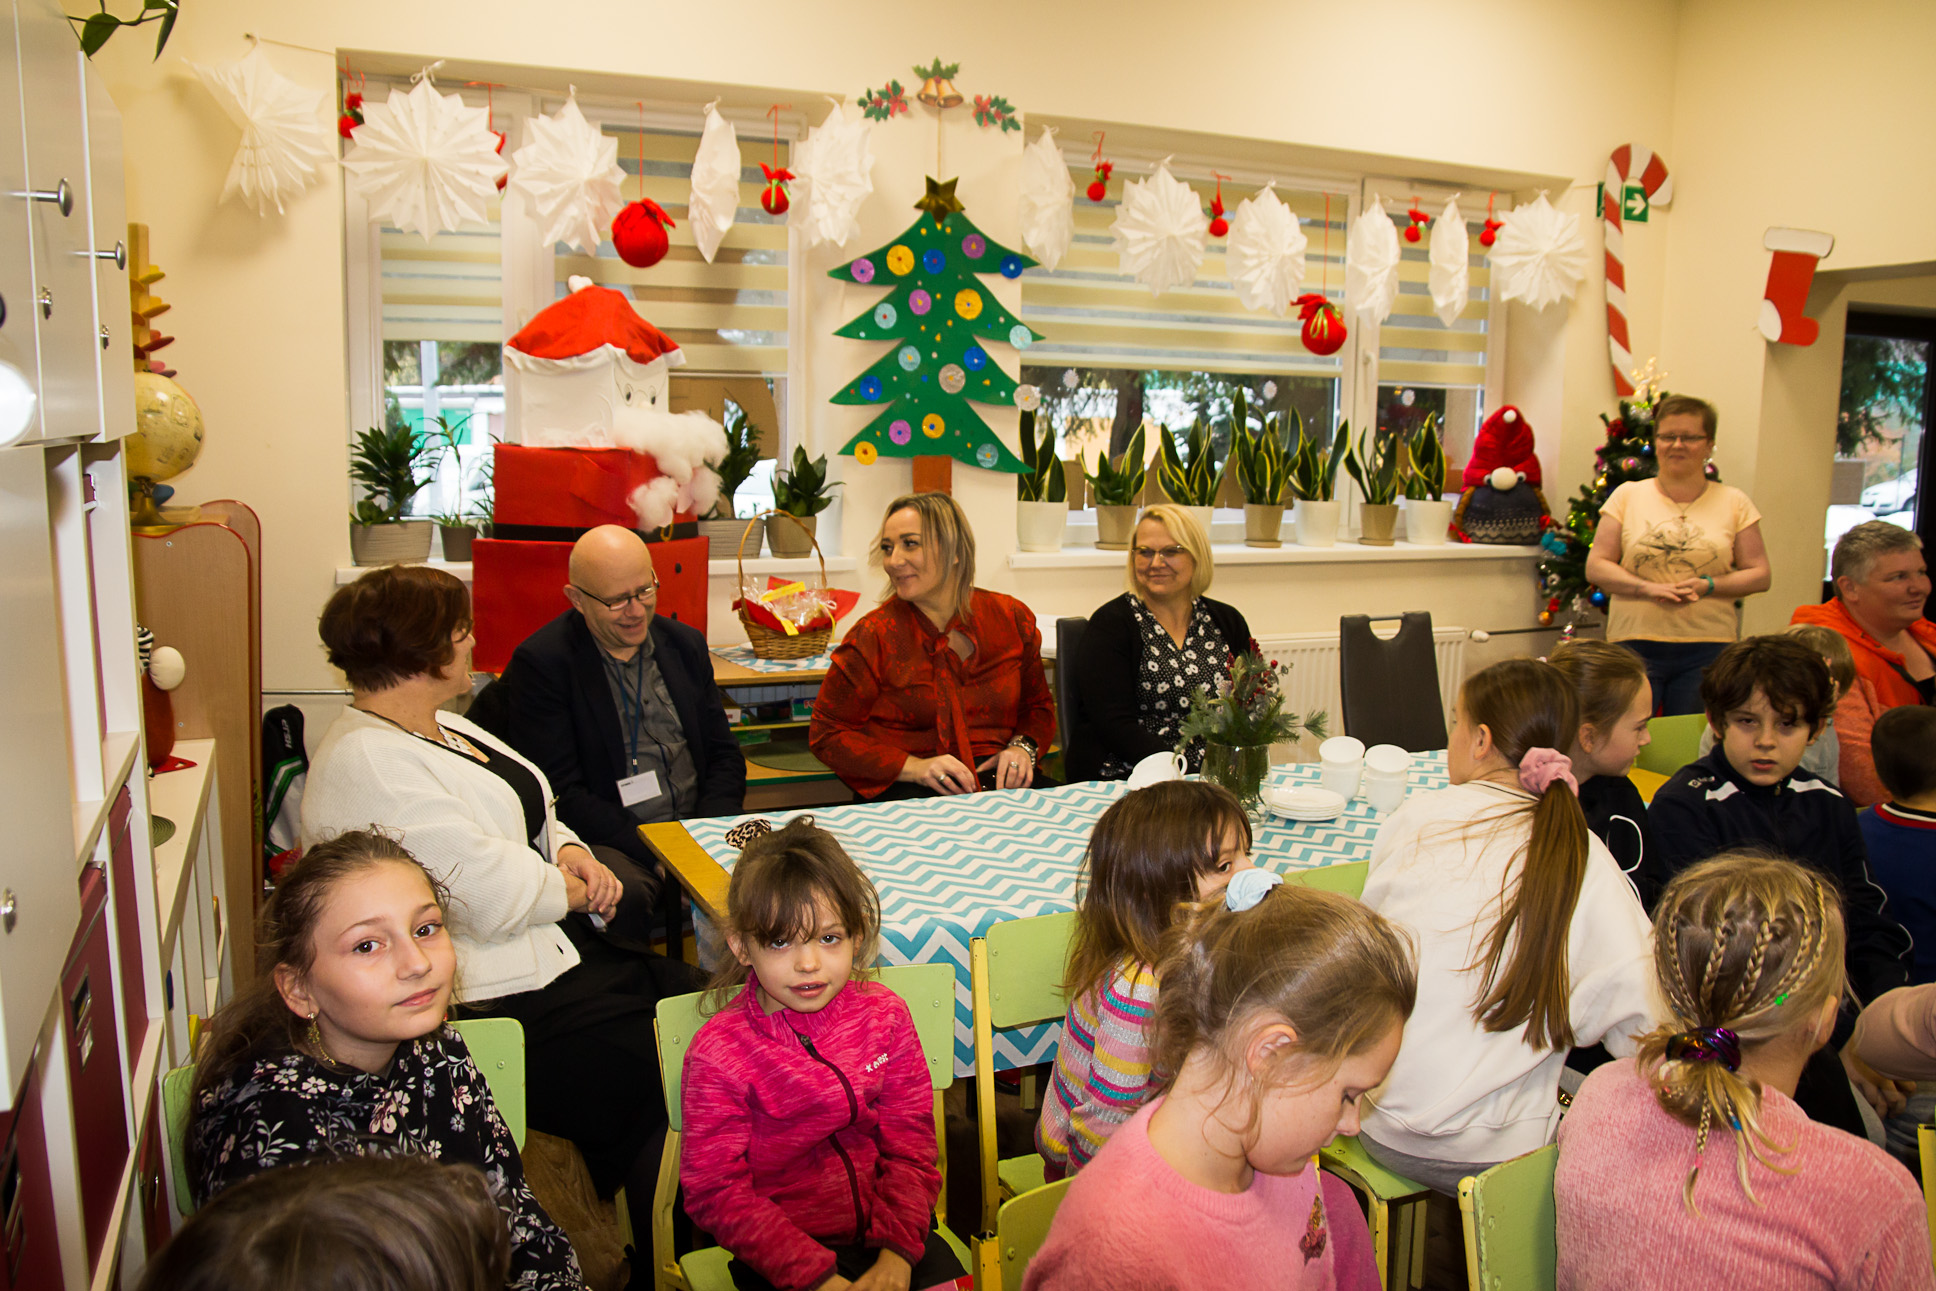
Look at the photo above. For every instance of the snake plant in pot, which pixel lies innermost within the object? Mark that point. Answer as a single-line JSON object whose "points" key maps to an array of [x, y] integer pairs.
{"points": [[802, 493], [1115, 490], [1189, 472], [1263, 471], [1041, 492], [1373, 462], [1314, 478], [389, 464], [723, 531], [1428, 516]]}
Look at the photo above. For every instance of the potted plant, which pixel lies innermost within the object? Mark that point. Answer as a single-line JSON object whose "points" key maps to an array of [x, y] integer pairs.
{"points": [[1041, 493], [456, 528], [388, 464], [1428, 516], [802, 493], [725, 532], [1191, 484], [1115, 490], [1314, 477], [1263, 471], [1239, 722], [1373, 462]]}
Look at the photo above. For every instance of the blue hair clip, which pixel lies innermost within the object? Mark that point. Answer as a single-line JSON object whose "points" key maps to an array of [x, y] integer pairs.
{"points": [[1248, 887]]}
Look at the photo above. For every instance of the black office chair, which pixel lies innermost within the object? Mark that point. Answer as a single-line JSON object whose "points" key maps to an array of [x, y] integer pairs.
{"points": [[1391, 688], [1068, 640]]}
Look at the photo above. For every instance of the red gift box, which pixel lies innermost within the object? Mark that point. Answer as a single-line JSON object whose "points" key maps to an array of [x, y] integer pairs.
{"points": [[518, 587], [568, 489]]}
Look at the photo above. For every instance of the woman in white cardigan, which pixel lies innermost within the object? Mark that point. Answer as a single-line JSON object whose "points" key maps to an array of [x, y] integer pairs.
{"points": [[527, 897]]}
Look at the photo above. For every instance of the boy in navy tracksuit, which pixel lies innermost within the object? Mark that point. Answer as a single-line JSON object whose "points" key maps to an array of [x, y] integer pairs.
{"points": [[1901, 833], [1767, 699]]}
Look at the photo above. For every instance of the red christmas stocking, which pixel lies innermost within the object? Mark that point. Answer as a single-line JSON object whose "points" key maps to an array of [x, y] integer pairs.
{"points": [[1789, 276]]}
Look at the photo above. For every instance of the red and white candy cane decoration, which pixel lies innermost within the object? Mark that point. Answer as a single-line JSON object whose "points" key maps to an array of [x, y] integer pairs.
{"points": [[1626, 163]]}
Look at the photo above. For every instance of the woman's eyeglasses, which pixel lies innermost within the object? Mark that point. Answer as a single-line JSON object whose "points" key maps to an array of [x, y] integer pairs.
{"points": [[1676, 440], [643, 595], [1168, 555]]}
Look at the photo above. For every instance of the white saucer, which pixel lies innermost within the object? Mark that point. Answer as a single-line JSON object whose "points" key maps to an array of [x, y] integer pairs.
{"points": [[1306, 803]]}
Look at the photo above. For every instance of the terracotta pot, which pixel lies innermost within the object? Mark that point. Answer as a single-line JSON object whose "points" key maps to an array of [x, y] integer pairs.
{"points": [[390, 544], [1426, 522], [1039, 526], [1376, 522], [789, 536], [1115, 526], [1317, 523], [1262, 522], [457, 539], [724, 536]]}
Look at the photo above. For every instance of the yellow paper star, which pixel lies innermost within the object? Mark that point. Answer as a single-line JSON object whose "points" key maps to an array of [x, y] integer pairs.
{"points": [[940, 200]]}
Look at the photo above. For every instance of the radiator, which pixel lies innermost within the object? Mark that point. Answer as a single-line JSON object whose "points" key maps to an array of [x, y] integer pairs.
{"points": [[1312, 683]]}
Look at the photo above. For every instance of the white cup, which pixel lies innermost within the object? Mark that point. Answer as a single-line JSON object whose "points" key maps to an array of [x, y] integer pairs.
{"points": [[1384, 793], [1156, 768], [1341, 778], [1341, 748], [1387, 759]]}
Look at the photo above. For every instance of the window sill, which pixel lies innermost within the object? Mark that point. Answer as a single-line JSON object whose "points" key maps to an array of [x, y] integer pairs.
{"points": [[1346, 552], [348, 574]]}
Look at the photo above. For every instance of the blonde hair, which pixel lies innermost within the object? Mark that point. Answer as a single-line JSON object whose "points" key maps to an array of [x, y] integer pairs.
{"points": [[946, 534], [1189, 535], [1334, 969], [1834, 649], [1605, 677], [1752, 943]]}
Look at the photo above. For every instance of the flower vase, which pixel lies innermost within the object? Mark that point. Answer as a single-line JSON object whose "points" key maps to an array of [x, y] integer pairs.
{"points": [[1240, 768]]}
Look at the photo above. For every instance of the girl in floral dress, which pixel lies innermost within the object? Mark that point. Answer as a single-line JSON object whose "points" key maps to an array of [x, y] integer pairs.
{"points": [[340, 1049]]}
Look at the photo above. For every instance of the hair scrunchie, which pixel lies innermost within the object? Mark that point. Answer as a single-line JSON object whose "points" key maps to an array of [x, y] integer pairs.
{"points": [[1540, 767], [1708, 1044], [1248, 887]]}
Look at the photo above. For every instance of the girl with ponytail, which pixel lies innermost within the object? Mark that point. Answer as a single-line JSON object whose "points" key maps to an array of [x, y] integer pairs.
{"points": [[1749, 954], [1531, 940]]}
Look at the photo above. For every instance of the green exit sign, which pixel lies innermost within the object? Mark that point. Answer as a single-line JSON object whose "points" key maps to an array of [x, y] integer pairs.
{"points": [[1634, 205]]}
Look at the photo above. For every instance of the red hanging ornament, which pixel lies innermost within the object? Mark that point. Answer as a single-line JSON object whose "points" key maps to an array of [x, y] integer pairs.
{"points": [[773, 198], [1490, 234], [639, 233], [1218, 224], [352, 108], [1420, 219], [347, 123], [1099, 186], [1324, 329], [505, 178]]}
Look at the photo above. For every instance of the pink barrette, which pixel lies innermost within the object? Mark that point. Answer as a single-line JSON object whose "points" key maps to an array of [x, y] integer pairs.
{"points": [[1540, 767]]}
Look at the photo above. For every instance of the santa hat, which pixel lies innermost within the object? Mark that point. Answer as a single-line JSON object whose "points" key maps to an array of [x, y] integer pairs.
{"points": [[590, 319], [1504, 440]]}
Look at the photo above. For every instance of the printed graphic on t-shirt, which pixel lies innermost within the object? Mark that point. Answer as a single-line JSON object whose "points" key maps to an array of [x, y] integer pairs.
{"points": [[1675, 549]]}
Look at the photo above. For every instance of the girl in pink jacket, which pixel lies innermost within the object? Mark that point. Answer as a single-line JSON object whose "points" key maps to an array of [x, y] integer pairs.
{"points": [[809, 1148]]}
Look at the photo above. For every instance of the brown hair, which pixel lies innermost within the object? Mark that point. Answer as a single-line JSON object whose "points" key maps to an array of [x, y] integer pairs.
{"points": [[1524, 982], [1793, 677], [1684, 405], [1188, 534], [1834, 649], [257, 1023], [374, 1223], [1752, 943], [949, 539], [776, 881], [1856, 550], [1605, 678], [1903, 741], [393, 624], [1143, 861], [1339, 973]]}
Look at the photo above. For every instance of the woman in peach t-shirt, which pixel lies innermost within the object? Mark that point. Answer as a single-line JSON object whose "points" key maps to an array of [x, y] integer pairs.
{"points": [[1674, 553]]}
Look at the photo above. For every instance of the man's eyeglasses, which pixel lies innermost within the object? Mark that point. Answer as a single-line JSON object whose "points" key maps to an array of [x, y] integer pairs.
{"points": [[644, 596], [1168, 555]]}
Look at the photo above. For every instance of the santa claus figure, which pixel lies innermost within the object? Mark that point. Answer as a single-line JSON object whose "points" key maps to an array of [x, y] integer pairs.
{"points": [[1502, 502], [1505, 443]]}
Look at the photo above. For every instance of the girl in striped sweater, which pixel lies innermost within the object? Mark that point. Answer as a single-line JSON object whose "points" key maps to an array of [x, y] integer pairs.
{"points": [[1156, 848]]}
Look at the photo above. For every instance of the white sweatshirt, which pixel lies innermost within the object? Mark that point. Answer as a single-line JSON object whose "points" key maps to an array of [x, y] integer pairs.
{"points": [[1459, 1093], [466, 826]]}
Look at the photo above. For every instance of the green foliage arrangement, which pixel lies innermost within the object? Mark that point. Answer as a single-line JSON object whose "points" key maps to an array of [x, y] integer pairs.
{"points": [[95, 29], [803, 491], [1372, 460], [1190, 481], [1263, 460], [1248, 708], [1425, 467], [1119, 487], [742, 455], [1314, 469], [1044, 481], [388, 462]]}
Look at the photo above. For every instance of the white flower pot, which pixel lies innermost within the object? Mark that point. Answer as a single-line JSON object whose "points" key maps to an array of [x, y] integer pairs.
{"points": [[1426, 523], [1039, 526], [1317, 523], [1203, 516]]}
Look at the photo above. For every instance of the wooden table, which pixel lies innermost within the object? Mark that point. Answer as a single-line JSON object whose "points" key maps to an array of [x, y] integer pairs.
{"points": [[771, 788], [703, 878]]}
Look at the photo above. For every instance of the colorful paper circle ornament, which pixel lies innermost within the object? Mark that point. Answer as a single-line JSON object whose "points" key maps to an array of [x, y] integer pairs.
{"points": [[899, 260], [968, 303], [423, 161], [919, 301], [975, 359], [974, 246], [567, 170], [285, 143], [933, 260], [909, 358], [933, 426], [1020, 336], [885, 315], [863, 270], [1028, 398], [865, 453], [987, 455], [639, 234], [900, 431], [870, 388], [953, 378]]}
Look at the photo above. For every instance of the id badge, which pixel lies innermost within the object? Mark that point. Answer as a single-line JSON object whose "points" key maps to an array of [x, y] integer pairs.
{"points": [[643, 787]]}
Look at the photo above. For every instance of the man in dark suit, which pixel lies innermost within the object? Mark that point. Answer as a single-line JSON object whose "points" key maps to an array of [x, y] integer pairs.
{"points": [[618, 706]]}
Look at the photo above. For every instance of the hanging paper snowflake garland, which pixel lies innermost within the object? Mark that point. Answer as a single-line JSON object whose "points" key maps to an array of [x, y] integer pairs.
{"points": [[1265, 253], [567, 169], [1450, 276], [833, 169], [1160, 231], [1539, 256], [423, 161], [1371, 264], [714, 203], [1048, 201], [284, 141]]}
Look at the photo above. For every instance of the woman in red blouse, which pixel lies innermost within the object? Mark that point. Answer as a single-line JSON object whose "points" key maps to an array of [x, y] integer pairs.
{"points": [[939, 690]]}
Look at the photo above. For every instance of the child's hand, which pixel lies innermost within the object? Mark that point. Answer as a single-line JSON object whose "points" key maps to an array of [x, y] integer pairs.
{"points": [[890, 1273], [834, 1283]]}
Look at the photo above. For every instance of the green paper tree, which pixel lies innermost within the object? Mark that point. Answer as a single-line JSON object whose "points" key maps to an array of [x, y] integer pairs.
{"points": [[939, 317]]}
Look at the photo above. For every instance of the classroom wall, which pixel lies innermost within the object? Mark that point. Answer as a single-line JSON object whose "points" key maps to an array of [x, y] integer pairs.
{"points": [[1530, 88]]}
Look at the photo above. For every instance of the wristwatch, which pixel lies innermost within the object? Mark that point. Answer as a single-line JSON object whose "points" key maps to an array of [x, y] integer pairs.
{"points": [[1026, 744]]}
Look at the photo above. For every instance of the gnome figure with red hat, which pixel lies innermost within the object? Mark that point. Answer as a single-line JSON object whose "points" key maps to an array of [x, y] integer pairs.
{"points": [[1502, 502]]}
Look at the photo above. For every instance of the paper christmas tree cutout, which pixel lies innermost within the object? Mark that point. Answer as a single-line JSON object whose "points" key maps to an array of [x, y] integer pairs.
{"points": [[938, 317]]}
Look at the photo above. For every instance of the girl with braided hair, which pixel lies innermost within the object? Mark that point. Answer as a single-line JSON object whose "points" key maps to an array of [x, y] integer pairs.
{"points": [[1748, 948]]}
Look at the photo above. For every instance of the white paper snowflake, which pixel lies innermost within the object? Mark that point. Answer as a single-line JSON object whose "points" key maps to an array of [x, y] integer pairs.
{"points": [[285, 141], [714, 204], [833, 173], [1371, 264], [1539, 256], [1265, 253], [1048, 201], [1450, 274], [567, 168], [424, 161], [1161, 231]]}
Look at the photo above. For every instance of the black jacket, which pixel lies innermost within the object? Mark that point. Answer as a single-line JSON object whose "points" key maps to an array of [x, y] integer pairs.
{"points": [[1106, 725], [1708, 808], [562, 717], [1617, 815]]}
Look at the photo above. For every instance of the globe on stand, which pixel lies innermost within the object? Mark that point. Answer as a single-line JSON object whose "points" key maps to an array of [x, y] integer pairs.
{"points": [[167, 439]]}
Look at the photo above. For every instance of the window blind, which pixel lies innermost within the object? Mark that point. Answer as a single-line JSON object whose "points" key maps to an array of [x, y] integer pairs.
{"points": [[449, 289], [1414, 347]]}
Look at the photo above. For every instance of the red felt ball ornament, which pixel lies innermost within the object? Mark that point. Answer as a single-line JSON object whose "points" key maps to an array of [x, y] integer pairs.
{"points": [[1099, 186], [353, 100], [1324, 330], [1218, 224], [639, 234], [773, 198], [346, 124], [1097, 190], [1416, 228], [1490, 234]]}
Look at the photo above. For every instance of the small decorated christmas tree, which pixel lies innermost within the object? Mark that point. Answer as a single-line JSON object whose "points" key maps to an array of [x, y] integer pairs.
{"points": [[941, 317]]}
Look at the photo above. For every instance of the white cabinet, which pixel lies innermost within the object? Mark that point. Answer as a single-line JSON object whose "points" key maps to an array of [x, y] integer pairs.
{"points": [[107, 229], [18, 344]]}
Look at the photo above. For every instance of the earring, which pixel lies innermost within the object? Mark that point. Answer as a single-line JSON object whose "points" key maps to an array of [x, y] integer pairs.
{"points": [[315, 1039]]}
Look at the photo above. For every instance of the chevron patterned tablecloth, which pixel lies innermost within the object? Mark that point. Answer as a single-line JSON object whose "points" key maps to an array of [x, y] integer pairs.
{"points": [[743, 656], [948, 868]]}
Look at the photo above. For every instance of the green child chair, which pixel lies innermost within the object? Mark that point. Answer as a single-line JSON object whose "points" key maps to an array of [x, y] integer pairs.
{"points": [[1508, 1216]]}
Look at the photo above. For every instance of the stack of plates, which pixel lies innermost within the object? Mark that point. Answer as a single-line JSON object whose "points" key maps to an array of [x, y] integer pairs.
{"points": [[1308, 803]]}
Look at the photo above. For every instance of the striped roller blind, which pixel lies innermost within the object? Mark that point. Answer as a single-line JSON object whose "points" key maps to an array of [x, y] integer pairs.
{"points": [[449, 289], [728, 316], [1095, 315], [1414, 347]]}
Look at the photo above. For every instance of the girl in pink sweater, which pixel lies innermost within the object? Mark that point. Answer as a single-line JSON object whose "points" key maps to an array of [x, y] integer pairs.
{"points": [[1749, 953], [809, 1148], [1281, 1008]]}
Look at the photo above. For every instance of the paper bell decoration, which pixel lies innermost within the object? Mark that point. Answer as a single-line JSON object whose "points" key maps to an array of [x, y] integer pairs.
{"points": [[1450, 275], [1161, 231], [423, 161], [1539, 256], [284, 140], [1048, 201], [1371, 264], [568, 171], [639, 233], [1324, 330], [1265, 253], [714, 203], [833, 171]]}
